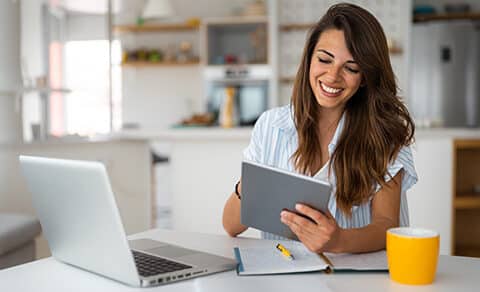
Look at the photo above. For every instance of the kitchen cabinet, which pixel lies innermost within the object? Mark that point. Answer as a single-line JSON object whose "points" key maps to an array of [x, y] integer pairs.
{"points": [[146, 64], [430, 199], [466, 198], [205, 164], [186, 33], [444, 198], [156, 27], [236, 40]]}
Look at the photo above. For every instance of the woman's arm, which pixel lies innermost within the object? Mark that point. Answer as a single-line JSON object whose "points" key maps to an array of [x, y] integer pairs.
{"points": [[231, 215], [325, 235]]}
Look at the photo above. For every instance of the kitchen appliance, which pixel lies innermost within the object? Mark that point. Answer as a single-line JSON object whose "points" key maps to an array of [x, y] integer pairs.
{"points": [[445, 74], [250, 87]]}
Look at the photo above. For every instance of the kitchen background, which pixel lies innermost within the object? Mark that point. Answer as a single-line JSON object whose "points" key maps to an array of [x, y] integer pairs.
{"points": [[165, 94]]}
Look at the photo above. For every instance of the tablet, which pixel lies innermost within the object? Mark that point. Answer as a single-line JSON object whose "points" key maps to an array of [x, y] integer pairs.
{"points": [[266, 191]]}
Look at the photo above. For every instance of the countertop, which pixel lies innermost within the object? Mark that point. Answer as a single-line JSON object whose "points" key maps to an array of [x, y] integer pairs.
{"points": [[245, 133], [188, 133], [221, 134]]}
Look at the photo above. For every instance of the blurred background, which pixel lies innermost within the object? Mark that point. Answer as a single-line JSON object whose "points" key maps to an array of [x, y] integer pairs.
{"points": [[165, 94]]}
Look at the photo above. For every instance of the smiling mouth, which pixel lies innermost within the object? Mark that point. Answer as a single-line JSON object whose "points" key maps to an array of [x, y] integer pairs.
{"points": [[330, 90]]}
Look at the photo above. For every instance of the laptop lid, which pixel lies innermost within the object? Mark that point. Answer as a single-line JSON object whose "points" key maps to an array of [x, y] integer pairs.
{"points": [[79, 216]]}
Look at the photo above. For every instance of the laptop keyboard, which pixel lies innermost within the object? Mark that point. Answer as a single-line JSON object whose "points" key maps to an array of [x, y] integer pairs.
{"points": [[149, 265]]}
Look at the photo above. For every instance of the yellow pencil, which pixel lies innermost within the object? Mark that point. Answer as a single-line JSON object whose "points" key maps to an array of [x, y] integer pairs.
{"points": [[285, 251]]}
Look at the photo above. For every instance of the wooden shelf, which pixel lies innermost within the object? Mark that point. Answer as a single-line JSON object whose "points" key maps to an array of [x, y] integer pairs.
{"points": [[467, 144], [166, 27], [233, 20], [446, 16], [469, 201], [296, 26], [143, 64]]}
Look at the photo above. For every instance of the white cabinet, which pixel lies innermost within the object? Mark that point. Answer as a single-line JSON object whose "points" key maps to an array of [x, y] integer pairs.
{"points": [[430, 200], [206, 167]]}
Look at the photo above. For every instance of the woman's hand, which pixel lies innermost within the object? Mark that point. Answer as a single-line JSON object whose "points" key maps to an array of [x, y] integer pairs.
{"points": [[318, 236]]}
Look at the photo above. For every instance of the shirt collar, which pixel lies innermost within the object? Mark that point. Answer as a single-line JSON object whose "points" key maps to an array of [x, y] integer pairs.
{"points": [[286, 120], [286, 124]]}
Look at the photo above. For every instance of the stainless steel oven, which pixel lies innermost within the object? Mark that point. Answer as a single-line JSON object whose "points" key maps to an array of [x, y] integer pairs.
{"points": [[249, 85]]}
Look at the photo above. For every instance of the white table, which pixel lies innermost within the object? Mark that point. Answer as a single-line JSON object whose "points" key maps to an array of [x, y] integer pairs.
{"points": [[454, 274]]}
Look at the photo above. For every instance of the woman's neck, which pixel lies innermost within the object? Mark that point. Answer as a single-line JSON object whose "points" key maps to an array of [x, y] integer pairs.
{"points": [[328, 121]]}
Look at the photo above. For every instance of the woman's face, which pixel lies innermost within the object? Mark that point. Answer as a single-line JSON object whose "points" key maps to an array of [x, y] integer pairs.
{"points": [[334, 75]]}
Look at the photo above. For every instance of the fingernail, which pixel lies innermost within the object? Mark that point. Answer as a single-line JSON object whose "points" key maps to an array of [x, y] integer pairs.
{"points": [[298, 206]]}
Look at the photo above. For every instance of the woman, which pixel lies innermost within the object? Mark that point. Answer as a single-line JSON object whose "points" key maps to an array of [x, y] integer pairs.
{"points": [[345, 125]]}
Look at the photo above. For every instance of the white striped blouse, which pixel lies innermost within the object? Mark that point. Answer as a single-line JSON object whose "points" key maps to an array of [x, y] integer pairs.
{"points": [[274, 140]]}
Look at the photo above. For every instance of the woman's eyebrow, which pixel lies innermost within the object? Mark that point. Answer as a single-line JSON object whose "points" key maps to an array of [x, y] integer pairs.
{"points": [[333, 56]]}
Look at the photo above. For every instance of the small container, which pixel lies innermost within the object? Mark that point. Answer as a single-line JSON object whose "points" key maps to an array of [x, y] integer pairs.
{"points": [[228, 114]]}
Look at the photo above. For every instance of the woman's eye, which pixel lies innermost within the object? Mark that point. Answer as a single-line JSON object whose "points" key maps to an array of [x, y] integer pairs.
{"points": [[323, 60], [351, 70]]}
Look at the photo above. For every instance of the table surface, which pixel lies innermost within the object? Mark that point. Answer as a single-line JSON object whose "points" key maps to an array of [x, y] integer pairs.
{"points": [[453, 274]]}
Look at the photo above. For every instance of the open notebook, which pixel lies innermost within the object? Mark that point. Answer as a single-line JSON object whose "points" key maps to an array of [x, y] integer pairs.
{"points": [[268, 260]]}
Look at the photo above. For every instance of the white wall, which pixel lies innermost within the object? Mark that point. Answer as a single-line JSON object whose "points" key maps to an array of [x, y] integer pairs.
{"points": [[86, 27], [32, 60], [129, 10], [32, 37], [10, 80], [159, 97]]}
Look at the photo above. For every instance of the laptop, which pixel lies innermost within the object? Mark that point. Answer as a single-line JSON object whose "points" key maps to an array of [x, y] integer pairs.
{"points": [[81, 222]]}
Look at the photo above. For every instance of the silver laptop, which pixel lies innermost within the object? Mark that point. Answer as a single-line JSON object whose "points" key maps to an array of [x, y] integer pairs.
{"points": [[80, 219]]}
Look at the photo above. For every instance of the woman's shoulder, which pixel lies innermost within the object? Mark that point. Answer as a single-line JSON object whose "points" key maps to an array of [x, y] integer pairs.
{"points": [[278, 117], [405, 157]]}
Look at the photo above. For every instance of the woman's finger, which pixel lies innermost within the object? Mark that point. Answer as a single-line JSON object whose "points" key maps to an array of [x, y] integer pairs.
{"points": [[318, 217], [297, 219], [298, 224]]}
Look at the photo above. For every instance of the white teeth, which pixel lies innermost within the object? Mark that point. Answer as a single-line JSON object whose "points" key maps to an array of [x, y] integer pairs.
{"points": [[330, 89]]}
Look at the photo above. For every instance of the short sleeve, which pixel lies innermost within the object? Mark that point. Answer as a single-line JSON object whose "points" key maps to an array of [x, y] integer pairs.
{"points": [[254, 150], [403, 161]]}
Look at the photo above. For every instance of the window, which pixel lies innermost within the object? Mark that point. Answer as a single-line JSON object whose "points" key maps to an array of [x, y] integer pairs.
{"points": [[87, 110]]}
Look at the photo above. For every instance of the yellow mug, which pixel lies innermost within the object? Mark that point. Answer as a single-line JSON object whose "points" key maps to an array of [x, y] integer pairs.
{"points": [[412, 255]]}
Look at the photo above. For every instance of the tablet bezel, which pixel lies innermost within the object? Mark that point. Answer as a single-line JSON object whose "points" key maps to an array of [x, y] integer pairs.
{"points": [[266, 191]]}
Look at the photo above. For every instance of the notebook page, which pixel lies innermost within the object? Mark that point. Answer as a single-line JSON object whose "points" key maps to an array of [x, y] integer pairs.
{"points": [[363, 261], [269, 260]]}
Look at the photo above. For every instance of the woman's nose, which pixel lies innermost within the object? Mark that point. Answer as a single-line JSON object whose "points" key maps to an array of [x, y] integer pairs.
{"points": [[333, 74]]}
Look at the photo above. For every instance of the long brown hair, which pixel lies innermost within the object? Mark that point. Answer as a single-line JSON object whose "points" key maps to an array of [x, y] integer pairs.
{"points": [[377, 123]]}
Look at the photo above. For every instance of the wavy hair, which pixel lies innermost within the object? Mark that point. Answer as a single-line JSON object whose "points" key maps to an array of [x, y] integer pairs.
{"points": [[377, 123]]}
